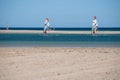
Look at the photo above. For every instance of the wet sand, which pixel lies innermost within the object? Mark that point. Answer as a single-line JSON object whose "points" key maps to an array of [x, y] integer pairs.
{"points": [[50, 63], [58, 32]]}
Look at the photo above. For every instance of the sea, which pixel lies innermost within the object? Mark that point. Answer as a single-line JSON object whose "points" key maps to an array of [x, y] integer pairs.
{"points": [[59, 40]]}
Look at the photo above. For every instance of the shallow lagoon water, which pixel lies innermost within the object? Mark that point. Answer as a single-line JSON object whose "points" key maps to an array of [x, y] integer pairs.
{"points": [[59, 40]]}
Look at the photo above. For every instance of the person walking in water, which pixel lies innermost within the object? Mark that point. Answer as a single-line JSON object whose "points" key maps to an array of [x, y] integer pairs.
{"points": [[94, 25], [47, 25]]}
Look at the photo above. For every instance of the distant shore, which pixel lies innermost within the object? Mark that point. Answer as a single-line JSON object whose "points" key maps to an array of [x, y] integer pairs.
{"points": [[58, 32]]}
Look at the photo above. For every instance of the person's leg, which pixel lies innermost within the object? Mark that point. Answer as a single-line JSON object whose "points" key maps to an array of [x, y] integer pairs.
{"points": [[92, 30], [45, 29], [95, 30]]}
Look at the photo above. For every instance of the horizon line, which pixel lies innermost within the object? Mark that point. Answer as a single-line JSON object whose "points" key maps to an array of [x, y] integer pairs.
{"points": [[58, 27]]}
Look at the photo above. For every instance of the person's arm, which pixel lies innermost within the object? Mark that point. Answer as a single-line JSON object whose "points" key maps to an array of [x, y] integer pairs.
{"points": [[96, 24], [45, 22]]}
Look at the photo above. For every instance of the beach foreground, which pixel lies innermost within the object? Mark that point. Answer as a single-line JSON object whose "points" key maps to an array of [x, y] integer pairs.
{"points": [[50, 63]]}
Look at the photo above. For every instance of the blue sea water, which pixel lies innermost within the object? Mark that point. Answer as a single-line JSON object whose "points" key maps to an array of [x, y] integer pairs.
{"points": [[59, 28], [59, 40]]}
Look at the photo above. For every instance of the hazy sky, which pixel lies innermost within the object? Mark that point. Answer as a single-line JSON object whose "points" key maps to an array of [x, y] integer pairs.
{"points": [[62, 13]]}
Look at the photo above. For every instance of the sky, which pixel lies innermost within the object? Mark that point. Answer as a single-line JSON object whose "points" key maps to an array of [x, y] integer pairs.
{"points": [[61, 13]]}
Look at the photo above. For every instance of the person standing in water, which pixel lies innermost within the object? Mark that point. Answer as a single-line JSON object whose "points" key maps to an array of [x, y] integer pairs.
{"points": [[94, 25], [47, 25]]}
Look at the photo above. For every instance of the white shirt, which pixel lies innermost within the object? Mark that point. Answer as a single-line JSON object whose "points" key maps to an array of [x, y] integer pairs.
{"points": [[94, 23], [47, 23]]}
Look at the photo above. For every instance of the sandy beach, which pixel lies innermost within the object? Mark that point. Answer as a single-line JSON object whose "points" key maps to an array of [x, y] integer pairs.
{"points": [[58, 32], [50, 63]]}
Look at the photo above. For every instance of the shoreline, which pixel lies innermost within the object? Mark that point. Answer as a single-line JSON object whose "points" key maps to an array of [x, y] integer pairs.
{"points": [[60, 45], [58, 32]]}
